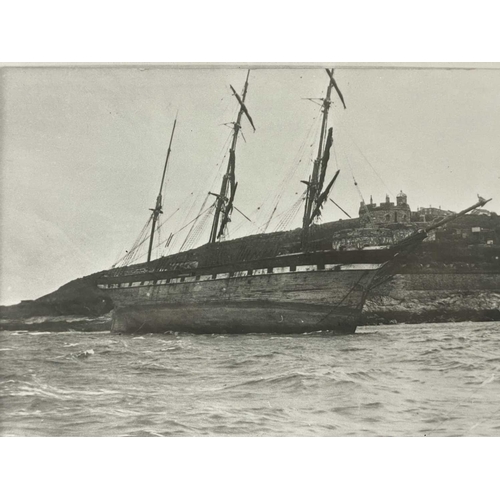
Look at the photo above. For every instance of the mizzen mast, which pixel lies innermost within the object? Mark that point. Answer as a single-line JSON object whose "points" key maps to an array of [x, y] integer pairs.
{"points": [[315, 195], [225, 198], [158, 208]]}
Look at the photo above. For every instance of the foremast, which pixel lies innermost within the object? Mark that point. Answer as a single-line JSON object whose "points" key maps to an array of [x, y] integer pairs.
{"points": [[315, 195], [225, 198], [159, 199]]}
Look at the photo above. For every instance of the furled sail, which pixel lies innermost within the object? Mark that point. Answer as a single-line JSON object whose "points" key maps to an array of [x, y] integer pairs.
{"points": [[224, 203], [315, 195]]}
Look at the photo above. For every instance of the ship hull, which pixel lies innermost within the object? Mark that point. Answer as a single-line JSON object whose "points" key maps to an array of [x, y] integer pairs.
{"points": [[293, 302], [234, 318]]}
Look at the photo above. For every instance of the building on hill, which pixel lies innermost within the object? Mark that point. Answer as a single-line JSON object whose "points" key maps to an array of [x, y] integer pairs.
{"points": [[482, 211], [429, 214], [388, 212], [480, 227]]}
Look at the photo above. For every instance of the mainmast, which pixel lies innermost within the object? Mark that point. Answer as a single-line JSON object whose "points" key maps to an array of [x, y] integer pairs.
{"points": [[315, 196], [158, 208], [225, 198]]}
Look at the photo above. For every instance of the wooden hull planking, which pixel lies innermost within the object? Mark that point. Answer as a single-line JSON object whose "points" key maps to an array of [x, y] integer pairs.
{"points": [[271, 303]]}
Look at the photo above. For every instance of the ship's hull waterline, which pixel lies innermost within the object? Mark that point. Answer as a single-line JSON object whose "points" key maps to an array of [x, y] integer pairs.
{"points": [[290, 302]]}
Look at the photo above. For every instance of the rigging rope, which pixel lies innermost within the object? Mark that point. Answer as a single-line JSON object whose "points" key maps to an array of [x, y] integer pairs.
{"points": [[129, 256], [188, 236], [249, 219], [283, 213], [368, 161], [223, 151], [189, 223], [292, 170], [357, 187], [173, 234], [200, 226], [169, 217], [289, 215], [143, 237]]}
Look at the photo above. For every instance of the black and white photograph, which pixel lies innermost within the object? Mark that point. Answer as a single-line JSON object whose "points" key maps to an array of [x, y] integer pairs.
{"points": [[280, 250]]}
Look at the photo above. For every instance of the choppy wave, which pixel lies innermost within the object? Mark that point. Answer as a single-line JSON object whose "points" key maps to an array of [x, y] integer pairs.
{"points": [[410, 380]]}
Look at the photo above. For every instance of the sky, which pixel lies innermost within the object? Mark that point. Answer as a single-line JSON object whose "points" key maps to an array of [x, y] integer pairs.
{"points": [[82, 150]]}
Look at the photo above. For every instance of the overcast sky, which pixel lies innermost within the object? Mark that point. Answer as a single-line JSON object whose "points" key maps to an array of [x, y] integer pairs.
{"points": [[82, 151]]}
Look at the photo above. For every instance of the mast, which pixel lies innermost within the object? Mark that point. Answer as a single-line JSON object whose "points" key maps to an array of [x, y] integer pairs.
{"points": [[158, 208], [314, 197], [225, 198]]}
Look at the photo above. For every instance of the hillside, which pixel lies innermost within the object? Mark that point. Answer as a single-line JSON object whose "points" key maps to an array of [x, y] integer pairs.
{"points": [[79, 297]]}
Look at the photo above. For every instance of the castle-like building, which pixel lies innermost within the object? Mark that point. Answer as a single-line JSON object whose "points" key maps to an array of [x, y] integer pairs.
{"points": [[400, 212], [478, 227], [388, 212]]}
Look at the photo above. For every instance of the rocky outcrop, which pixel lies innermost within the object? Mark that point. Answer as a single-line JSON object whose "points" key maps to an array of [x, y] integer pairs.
{"points": [[80, 298], [435, 297]]}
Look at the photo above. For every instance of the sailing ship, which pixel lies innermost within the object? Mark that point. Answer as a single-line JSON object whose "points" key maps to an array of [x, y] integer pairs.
{"points": [[278, 282]]}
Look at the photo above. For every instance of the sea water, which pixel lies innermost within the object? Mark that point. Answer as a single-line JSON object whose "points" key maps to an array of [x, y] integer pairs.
{"points": [[398, 380]]}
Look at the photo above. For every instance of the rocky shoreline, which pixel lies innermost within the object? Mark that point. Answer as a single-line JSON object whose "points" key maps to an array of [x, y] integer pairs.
{"points": [[59, 324]]}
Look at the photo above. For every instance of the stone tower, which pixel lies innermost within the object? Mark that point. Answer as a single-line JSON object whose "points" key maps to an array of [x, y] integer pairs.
{"points": [[401, 200]]}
